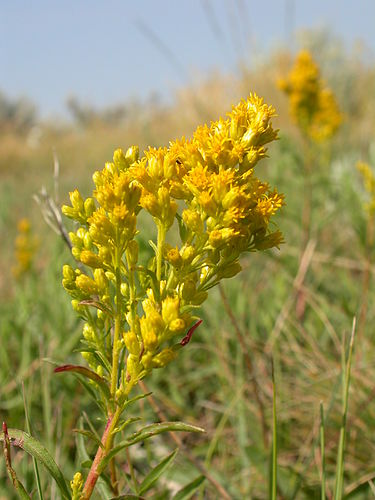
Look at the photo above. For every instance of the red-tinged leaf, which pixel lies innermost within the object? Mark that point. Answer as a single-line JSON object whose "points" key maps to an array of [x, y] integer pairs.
{"points": [[86, 372], [189, 334]]}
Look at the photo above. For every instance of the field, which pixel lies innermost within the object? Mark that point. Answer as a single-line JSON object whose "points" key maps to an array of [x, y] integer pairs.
{"points": [[291, 309]]}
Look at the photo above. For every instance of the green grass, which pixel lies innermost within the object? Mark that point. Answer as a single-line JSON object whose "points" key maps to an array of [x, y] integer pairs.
{"points": [[222, 381]]}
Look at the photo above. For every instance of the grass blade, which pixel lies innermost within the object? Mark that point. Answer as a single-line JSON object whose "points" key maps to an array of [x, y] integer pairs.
{"points": [[273, 475], [28, 427], [339, 481], [322, 452]]}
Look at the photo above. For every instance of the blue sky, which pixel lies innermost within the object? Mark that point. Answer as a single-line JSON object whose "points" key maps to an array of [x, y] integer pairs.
{"points": [[104, 52]]}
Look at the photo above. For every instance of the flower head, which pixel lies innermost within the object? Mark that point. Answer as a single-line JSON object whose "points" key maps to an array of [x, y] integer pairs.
{"points": [[204, 186]]}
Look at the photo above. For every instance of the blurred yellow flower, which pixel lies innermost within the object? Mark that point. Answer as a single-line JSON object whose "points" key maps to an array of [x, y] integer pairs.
{"points": [[26, 245], [312, 105]]}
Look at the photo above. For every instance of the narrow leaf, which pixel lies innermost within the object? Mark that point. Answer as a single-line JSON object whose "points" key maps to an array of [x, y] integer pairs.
{"points": [[28, 427], [86, 372], [90, 435], [156, 472], [322, 453], [32, 446], [273, 484], [188, 491], [339, 480], [146, 433]]}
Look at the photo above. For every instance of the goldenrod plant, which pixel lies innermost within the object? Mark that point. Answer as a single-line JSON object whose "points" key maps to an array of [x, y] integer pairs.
{"points": [[312, 104], [313, 107], [25, 247], [202, 194]]}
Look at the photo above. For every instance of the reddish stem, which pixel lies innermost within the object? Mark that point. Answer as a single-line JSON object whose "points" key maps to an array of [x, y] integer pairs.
{"points": [[93, 474]]}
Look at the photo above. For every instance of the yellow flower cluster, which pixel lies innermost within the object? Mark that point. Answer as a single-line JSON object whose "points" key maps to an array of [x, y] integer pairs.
{"points": [[369, 183], [206, 188], [312, 105], [26, 245]]}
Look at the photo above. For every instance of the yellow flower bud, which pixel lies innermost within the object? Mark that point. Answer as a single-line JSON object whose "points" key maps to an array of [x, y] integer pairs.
{"points": [[132, 343], [90, 259], [133, 367], [68, 272], [187, 253], [150, 340], [89, 207], [216, 238], [76, 200], [132, 154], [87, 241], [170, 309], [87, 285], [174, 257], [88, 332], [100, 279], [119, 159], [177, 325], [76, 252], [163, 358], [193, 220]]}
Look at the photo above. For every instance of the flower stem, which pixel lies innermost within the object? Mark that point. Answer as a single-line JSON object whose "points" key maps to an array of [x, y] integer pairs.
{"points": [[159, 256], [107, 441]]}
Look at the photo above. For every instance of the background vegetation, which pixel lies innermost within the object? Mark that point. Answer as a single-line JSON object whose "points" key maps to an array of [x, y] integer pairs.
{"points": [[296, 304]]}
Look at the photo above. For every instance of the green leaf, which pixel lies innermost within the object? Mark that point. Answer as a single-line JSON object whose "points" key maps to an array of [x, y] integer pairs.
{"points": [[146, 433], [90, 435], [188, 491], [32, 446], [182, 229], [86, 372], [28, 428], [21, 490], [156, 472]]}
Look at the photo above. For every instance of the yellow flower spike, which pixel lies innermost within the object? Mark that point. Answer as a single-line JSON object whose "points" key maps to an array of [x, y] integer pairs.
{"points": [[26, 245], [312, 105], [76, 486], [222, 211]]}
